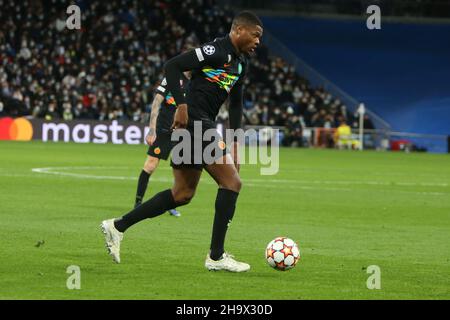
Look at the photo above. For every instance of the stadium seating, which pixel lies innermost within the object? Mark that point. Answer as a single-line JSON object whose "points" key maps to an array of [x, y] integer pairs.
{"points": [[108, 69], [399, 72]]}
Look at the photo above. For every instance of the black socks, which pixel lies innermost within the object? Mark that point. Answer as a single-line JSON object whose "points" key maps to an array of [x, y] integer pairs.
{"points": [[157, 205], [225, 206], [163, 201], [142, 186]]}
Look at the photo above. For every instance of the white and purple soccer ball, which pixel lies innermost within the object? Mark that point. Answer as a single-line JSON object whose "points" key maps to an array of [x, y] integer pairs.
{"points": [[282, 253]]}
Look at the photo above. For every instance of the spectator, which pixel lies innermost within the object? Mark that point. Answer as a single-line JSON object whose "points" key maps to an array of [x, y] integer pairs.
{"points": [[293, 134], [51, 113], [343, 137], [2, 109]]}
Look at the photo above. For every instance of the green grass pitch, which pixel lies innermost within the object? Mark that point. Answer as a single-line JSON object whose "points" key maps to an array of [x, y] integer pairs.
{"points": [[346, 210]]}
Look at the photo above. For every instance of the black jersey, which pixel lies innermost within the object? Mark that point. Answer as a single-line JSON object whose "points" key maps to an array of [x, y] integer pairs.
{"points": [[168, 107], [217, 72]]}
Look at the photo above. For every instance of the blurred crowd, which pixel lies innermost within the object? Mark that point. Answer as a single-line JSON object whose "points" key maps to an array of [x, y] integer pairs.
{"points": [[109, 68], [397, 8]]}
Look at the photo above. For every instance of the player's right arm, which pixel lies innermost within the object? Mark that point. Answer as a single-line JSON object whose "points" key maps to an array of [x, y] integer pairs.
{"points": [[188, 61], [156, 105]]}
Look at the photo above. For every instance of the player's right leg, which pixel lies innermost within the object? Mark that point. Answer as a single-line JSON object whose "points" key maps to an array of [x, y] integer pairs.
{"points": [[150, 165], [227, 178], [185, 184]]}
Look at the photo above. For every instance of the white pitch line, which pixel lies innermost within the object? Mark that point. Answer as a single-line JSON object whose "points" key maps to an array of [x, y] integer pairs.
{"points": [[50, 170], [258, 183]]}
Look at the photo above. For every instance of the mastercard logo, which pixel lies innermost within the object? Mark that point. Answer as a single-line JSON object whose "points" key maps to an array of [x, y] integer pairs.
{"points": [[19, 129]]}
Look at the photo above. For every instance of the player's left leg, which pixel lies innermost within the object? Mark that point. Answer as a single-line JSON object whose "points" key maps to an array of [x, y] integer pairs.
{"points": [[185, 184], [225, 174]]}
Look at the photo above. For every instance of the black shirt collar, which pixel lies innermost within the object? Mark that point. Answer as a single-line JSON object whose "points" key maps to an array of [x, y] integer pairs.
{"points": [[230, 45]]}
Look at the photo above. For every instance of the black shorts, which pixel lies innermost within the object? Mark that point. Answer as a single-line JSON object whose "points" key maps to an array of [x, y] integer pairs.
{"points": [[162, 146], [215, 149]]}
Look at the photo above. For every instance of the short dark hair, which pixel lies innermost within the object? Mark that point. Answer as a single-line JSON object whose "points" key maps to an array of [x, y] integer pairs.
{"points": [[246, 18]]}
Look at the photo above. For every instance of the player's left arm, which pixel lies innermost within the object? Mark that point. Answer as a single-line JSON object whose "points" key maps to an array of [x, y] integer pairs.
{"points": [[236, 106], [235, 118], [237, 99]]}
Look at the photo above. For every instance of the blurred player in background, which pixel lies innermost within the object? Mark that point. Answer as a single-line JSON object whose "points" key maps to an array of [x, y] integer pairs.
{"points": [[159, 136]]}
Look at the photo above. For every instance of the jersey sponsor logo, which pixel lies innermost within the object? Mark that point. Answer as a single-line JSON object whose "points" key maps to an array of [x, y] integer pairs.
{"points": [[209, 49], [225, 80]]}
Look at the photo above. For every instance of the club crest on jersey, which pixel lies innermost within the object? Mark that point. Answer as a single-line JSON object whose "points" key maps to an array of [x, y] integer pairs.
{"points": [[209, 49]]}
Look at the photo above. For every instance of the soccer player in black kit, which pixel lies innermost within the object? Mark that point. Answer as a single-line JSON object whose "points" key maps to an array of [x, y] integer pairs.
{"points": [[217, 70], [159, 136]]}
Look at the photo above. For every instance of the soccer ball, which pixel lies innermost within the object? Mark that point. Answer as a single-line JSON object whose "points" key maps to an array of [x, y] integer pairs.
{"points": [[282, 253]]}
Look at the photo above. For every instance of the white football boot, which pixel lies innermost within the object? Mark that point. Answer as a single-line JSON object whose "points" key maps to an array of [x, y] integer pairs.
{"points": [[227, 263], [113, 237]]}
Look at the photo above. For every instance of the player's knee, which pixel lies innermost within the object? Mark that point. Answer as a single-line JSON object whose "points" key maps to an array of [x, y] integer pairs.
{"points": [[149, 169], [183, 197], [234, 184], [150, 166], [237, 185]]}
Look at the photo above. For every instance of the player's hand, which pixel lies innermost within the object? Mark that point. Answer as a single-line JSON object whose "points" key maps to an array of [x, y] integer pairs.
{"points": [[235, 155], [150, 138], [180, 119]]}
